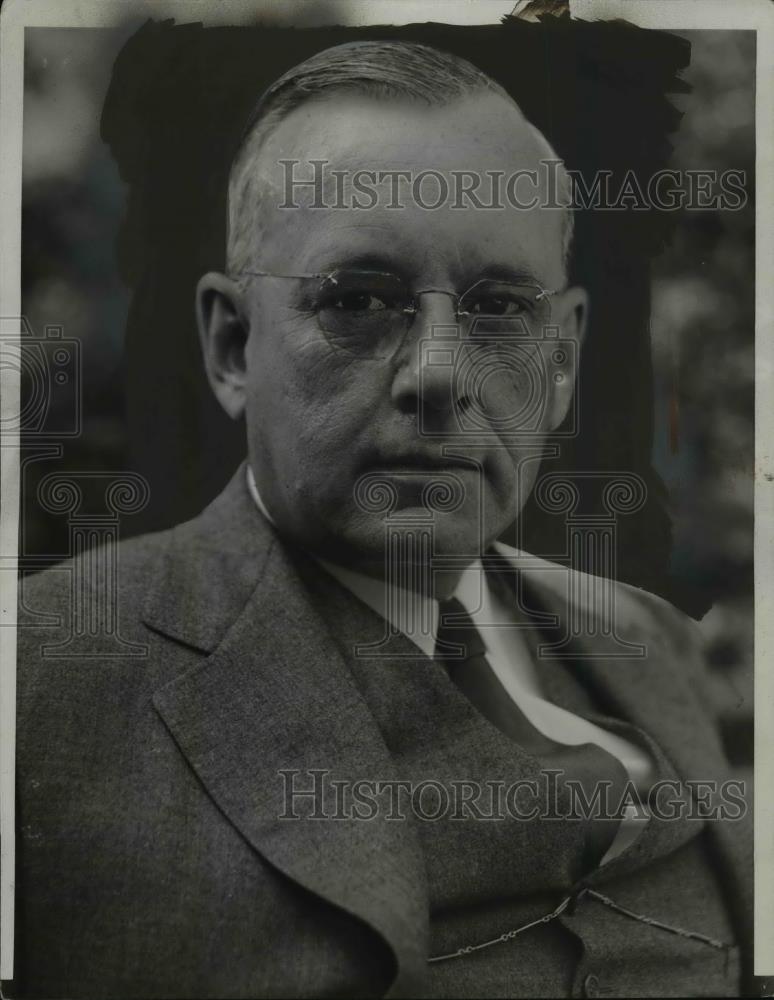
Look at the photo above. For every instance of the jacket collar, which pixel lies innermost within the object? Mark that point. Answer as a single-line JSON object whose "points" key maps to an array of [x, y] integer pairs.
{"points": [[274, 691], [208, 568], [271, 703], [645, 665], [636, 653]]}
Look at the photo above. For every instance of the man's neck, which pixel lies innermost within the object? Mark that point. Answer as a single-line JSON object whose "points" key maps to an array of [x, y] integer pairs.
{"points": [[424, 581]]}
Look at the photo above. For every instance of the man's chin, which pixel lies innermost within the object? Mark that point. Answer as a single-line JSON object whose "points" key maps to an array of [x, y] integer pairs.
{"points": [[411, 536]]}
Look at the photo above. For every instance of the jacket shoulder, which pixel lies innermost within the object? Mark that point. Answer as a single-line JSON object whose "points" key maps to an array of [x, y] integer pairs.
{"points": [[110, 571], [658, 615], [609, 606]]}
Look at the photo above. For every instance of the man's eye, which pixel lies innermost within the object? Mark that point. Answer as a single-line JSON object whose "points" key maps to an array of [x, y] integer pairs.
{"points": [[358, 302], [498, 305]]}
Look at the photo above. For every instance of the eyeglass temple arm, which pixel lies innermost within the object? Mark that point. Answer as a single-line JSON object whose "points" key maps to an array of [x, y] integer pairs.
{"points": [[412, 309]]}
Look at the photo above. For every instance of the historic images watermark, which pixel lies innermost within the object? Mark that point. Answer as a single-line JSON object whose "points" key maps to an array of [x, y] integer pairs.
{"points": [[552, 185], [316, 794], [502, 371], [49, 416]]}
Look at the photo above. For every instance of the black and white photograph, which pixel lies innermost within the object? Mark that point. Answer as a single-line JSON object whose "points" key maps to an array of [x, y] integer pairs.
{"points": [[387, 514]]}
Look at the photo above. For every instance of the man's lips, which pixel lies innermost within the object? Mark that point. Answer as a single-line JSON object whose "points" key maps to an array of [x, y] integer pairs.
{"points": [[419, 463]]}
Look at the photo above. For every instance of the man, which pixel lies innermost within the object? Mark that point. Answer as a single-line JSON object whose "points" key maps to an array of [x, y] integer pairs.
{"points": [[261, 804]]}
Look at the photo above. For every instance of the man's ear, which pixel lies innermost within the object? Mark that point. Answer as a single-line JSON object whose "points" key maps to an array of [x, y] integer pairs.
{"points": [[569, 313], [223, 333]]}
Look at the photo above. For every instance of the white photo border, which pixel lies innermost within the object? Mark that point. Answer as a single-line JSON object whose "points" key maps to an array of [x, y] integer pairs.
{"points": [[756, 15]]}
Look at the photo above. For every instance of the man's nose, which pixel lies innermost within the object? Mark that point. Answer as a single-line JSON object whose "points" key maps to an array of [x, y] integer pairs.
{"points": [[425, 373]]}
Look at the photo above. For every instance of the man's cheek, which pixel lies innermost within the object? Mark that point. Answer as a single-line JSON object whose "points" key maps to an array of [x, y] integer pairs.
{"points": [[525, 472], [513, 469], [514, 397], [290, 342], [326, 449]]}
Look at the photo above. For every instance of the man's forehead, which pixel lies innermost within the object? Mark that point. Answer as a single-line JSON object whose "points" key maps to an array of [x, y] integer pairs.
{"points": [[481, 131], [442, 247], [393, 175]]}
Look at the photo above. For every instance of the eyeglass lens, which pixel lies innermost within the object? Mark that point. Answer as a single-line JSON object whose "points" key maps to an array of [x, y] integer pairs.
{"points": [[367, 313]]}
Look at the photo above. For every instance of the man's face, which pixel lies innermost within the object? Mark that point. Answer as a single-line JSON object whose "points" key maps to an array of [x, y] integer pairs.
{"points": [[332, 432]]}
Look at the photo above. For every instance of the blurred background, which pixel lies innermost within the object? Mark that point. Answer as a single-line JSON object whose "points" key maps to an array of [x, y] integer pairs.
{"points": [[701, 325], [703, 342]]}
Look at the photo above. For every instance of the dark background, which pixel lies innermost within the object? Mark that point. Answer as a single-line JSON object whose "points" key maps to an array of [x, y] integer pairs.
{"points": [[124, 207]]}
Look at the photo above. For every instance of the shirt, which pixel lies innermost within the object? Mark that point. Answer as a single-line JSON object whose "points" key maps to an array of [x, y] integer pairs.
{"points": [[416, 616]]}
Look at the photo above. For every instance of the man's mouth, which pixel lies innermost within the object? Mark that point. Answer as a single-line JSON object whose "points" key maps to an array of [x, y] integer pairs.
{"points": [[418, 462]]}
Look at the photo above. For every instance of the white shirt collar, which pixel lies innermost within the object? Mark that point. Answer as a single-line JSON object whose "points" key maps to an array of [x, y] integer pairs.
{"points": [[416, 615], [417, 618], [253, 488]]}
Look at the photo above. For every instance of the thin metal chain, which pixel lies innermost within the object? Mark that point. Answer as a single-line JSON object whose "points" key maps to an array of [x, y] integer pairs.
{"points": [[712, 942], [606, 901], [507, 936]]}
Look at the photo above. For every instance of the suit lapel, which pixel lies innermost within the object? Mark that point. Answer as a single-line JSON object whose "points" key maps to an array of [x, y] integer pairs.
{"points": [[660, 693], [269, 707], [655, 690], [274, 696]]}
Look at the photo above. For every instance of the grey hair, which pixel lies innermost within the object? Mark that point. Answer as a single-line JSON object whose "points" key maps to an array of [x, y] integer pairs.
{"points": [[379, 69]]}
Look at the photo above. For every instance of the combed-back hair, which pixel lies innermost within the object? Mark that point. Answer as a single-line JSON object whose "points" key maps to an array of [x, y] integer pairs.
{"points": [[380, 69]]}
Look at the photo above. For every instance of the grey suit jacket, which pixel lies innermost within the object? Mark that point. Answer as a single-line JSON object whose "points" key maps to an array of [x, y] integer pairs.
{"points": [[152, 857]]}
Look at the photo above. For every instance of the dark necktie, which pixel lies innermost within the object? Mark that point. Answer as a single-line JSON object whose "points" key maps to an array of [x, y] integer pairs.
{"points": [[461, 650]]}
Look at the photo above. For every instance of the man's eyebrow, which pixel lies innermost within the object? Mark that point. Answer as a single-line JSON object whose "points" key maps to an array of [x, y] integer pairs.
{"points": [[506, 272], [388, 263], [365, 261]]}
